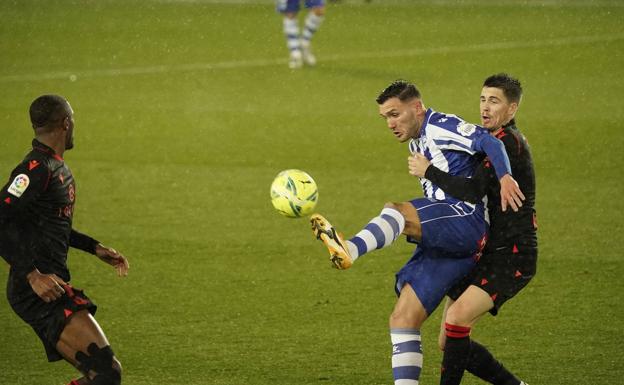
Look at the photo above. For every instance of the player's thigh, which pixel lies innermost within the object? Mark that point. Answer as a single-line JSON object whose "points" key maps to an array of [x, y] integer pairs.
{"points": [[409, 311], [469, 307], [81, 331]]}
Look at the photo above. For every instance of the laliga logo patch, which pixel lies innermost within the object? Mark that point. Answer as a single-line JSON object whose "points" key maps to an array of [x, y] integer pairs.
{"points": [[19, 185], [466, 129]]}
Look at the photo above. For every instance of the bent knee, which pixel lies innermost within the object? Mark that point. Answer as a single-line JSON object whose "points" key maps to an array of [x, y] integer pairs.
{"points": [[400, 319], [458, 315]]}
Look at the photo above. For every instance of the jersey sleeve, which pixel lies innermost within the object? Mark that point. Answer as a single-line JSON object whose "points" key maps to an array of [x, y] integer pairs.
{"points": [[26, 183], [495, 150], [82, 242], [466, 189]]}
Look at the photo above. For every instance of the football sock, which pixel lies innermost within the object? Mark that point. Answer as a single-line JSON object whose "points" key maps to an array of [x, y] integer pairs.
{"points": [[312, 23], [456, 354], [291, 30], [380, 232], [482, 364], [407, 358]]}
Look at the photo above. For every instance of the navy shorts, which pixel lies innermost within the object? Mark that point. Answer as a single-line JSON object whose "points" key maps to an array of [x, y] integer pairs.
{"points": [[284, 6], [48, 319], [453, 236]]}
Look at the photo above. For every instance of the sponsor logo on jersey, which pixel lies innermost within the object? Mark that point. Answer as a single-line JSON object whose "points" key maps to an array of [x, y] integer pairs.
{"points": [[466, 129], [19, 185]]}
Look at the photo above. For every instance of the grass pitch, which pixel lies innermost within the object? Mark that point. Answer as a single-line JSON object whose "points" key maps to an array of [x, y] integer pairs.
{"points": [[186, 110]]}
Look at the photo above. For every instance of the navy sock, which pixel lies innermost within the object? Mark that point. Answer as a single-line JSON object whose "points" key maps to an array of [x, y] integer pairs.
{"points": [[482, 364]]}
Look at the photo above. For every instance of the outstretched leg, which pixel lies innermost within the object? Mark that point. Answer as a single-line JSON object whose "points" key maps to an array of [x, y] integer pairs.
{"points": [[83, 344], [380, 232]]}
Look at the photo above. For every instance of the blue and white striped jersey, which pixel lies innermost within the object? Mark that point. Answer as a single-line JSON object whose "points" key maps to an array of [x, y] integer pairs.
{"points": [[450, 143]]}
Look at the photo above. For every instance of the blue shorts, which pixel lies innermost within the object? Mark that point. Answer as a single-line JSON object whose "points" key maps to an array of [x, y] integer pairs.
{"points": [[451, 228], [284, 6], [432, 277], [453, 235]]}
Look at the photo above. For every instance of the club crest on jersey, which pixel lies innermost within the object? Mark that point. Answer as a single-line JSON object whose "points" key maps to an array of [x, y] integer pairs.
{"points": [[466, 129], [19, 185]]}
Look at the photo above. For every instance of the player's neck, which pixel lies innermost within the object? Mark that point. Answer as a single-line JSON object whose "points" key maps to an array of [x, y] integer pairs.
{"points": [[52, 140]]}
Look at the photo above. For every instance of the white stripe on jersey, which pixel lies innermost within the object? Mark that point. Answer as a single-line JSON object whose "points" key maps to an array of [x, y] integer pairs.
{"points": [[447, 141]]}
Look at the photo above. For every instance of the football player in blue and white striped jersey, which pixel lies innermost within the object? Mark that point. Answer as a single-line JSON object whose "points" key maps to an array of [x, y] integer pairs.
{"points": [[450, 232], [299, 44]]}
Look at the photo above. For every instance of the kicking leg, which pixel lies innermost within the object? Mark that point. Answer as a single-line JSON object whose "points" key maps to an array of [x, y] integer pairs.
{"points": [[380, 232], [83, 344]]}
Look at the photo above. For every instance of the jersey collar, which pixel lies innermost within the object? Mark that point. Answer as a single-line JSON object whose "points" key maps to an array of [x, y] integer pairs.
{"points": [[37, 145]]}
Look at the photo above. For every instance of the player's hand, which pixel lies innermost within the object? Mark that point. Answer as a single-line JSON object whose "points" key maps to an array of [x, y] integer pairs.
{"points": [[418, 164], [48, 287], [113, 258], [510, 193]]}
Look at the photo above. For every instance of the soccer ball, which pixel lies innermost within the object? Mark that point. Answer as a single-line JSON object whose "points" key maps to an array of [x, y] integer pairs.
{"points": [[294, 193]]}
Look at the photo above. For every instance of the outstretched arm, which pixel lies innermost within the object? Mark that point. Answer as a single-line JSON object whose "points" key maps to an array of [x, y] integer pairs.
{"points": [[109, 255], [113, 258], [495, 150]]}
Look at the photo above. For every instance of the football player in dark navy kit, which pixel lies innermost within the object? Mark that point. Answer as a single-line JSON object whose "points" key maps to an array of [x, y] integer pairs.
{"points": [[36, 210], [509, 259]]}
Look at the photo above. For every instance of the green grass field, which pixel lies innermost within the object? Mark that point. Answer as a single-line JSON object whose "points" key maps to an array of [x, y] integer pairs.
{"points": [[186, 110]]}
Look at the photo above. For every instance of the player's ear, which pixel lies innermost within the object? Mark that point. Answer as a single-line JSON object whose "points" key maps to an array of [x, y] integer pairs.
{"points": [[513, 107], [66, 123], [417, 104]]}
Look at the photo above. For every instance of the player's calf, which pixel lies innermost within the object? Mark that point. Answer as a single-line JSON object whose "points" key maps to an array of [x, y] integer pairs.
{"points": [[100, 365]]}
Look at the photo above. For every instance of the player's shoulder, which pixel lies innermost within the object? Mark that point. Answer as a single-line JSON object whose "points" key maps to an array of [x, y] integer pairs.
{"points": [[36, 163], [444, 120], [513, 139], [455, 124]]}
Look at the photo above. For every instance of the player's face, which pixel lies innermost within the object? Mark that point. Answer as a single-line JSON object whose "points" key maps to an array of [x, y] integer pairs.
{"points": [[496, 110], [402, 118], [69, 135]]}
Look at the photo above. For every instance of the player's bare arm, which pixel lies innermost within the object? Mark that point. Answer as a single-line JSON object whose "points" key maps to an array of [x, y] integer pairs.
{"points": [[113, 258]]}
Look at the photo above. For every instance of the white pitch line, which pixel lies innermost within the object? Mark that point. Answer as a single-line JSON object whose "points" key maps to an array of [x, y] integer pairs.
{"points": [[238, 64]]}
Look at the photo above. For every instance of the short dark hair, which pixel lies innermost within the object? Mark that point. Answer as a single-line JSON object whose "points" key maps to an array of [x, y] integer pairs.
{"points": [[47, 110], [401, 89], [511, 86]]}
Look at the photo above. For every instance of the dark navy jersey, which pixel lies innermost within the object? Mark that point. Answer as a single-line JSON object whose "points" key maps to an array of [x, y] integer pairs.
{"points": [[506, 228], [36, 211]]}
